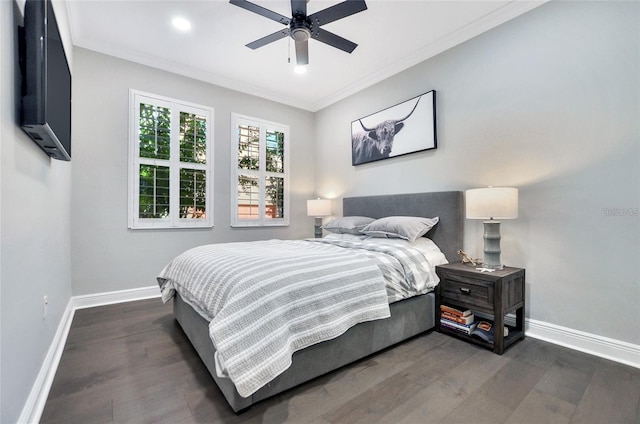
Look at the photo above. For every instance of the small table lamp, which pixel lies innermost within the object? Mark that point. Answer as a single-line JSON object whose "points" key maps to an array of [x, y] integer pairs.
{"points": [[318, 208], [492, 203]]}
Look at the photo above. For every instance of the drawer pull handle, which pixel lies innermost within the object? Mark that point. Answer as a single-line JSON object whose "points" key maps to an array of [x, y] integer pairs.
{"points": [[465, 290]]}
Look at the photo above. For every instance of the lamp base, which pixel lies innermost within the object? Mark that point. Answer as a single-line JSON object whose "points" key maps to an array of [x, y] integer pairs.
{"points": [[318, 228], [492, 245]]}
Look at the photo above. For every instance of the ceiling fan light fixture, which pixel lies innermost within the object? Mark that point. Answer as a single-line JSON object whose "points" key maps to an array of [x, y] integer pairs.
{"points": [[181, 23], [300, 34]]}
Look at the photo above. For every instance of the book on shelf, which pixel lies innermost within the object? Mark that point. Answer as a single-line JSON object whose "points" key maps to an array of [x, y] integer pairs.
{"points": [[455, 330], [462, 320], [456, 326], [455, 311]]}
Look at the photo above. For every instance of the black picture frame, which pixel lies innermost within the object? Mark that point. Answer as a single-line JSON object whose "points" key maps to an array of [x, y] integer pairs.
{"points": [[398, 130]]}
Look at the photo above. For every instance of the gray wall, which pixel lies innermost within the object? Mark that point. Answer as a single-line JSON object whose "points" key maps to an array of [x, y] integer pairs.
{"points": [[106, 255], [35, 245], [548, 103]]}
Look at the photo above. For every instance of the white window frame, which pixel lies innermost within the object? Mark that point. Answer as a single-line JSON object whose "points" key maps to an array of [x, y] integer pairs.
{"points": [[176, 106], [262, 221]]}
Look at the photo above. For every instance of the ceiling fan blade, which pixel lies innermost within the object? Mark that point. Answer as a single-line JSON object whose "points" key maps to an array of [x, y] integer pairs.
{"points": [[299, 7], [269, 39], [339, 11], [302, 52], [334, 40], [251, 7]]}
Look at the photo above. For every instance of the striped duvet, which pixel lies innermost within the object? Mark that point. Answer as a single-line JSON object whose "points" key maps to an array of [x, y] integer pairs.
{"points": [[268, 299]]}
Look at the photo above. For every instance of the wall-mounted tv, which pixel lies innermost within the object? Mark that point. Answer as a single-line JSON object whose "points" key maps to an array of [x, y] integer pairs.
{"points": [[46, 81]]}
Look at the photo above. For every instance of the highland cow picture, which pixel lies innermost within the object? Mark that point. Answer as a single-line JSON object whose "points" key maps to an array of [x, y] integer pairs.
{"points": [[405, 128]]}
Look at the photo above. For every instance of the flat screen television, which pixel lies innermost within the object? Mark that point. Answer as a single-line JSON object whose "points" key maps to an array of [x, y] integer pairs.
{"points": [[46, 81]]}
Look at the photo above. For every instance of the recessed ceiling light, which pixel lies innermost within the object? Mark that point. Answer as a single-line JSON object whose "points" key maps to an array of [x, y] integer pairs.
{"points": [[181, 23], [300, 69]]}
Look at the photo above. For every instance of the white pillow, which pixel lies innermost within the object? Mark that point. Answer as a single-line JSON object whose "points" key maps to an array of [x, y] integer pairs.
{"points": [[404, 227], [426, 246], [423, 243], [348, 224]]}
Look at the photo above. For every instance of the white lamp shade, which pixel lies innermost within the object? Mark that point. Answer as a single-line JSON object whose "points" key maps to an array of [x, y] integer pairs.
{"points": [[319, 207], [492, 203]]}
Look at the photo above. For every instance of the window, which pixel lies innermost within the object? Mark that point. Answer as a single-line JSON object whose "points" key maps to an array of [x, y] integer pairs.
{"points": [[260, 168], [170, 163]]}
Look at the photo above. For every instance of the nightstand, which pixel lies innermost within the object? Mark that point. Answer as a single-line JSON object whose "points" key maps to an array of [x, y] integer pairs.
{"points": [[494, 294]]}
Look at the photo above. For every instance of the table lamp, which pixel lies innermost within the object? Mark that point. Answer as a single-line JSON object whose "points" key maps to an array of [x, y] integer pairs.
{"points": [[318, 208], [490, 204]]}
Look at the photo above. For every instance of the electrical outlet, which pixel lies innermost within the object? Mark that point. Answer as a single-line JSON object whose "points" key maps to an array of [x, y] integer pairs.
{"points": [[44, 306]]}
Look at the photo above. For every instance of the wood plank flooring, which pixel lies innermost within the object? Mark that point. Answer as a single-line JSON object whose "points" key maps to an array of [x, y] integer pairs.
{"points": [[131, 363]]}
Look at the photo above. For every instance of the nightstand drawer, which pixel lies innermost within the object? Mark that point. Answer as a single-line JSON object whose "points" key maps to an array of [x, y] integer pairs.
{"points": [[465, 292]]}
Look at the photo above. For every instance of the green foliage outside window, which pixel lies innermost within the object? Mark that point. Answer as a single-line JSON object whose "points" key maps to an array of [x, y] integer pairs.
{"points": [[275, 151], [154, 191], [248, 147], [193, 138], [275, 197], [155, 132], [193, 193]]}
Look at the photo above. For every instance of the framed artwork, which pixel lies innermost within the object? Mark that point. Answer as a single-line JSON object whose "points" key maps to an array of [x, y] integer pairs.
{"points": [[407, 127]]}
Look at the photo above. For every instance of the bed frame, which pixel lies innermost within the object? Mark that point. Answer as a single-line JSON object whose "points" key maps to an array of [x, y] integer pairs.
{"points": [[408, 317]]}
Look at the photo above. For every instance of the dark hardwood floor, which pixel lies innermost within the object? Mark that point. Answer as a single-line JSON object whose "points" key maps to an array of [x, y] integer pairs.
{"points": [[131, 363]]}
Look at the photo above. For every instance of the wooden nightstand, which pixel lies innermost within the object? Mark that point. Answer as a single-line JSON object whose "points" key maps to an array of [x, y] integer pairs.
{"points": [[496, 293]]}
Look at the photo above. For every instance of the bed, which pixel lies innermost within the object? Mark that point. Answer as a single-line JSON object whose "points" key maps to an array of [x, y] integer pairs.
{"points": [[408, 317]]}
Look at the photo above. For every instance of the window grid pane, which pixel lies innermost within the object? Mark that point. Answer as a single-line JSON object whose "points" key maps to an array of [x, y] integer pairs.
{"points": [[154, 191], [248, 197], [193, 138], [155, 131], [248, 147], [275, 151], [274, 205], [193, 193]]}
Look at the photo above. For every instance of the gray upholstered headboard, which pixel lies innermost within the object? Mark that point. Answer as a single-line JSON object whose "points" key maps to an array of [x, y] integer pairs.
{"points": [[447, 205]]}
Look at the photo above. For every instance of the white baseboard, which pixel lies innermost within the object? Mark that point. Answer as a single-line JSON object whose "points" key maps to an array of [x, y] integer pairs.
{"points": [[604, 347], [32, 410], [109, 298], [34, 406]]}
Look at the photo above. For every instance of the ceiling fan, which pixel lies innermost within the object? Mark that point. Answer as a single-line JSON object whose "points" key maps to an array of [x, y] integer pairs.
{"points": [[302, 27]]}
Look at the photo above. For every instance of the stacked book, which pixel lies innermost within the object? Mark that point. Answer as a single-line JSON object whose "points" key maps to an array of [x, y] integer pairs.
{"points": [[462, 321]]}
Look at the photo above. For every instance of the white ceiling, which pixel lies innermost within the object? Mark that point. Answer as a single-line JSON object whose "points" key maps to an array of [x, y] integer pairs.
{"points": [[391, 35]]}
